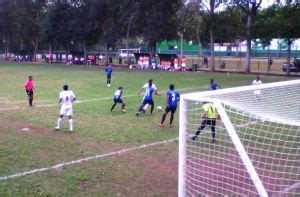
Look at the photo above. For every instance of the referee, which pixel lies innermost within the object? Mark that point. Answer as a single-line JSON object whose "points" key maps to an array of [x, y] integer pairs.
{"points": [[29, 87], [208, 118]]}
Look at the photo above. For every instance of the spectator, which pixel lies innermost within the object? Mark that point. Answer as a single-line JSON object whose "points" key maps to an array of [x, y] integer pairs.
{"points": [[205, 62], [51, 58], [183, 63], [270, 62]]}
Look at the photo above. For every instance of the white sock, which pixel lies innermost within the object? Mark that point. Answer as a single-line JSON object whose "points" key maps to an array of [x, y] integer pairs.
{"points": [[71, 124], [58, 123], [145, 107]]}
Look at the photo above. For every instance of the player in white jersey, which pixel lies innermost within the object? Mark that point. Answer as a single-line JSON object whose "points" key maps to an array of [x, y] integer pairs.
{"points": [[257, 81], [143, 90], [66, 99]]}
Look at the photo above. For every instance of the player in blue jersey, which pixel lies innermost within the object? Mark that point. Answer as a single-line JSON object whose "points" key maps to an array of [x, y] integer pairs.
{"points": [[108, 71], [172, 99], [118, 99], [148, 98], [213, 85]]}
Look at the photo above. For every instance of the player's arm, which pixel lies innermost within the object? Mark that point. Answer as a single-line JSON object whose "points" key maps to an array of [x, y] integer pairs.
{"points": [[60, 100], [73, 97], [140, 91], [156, 93]]}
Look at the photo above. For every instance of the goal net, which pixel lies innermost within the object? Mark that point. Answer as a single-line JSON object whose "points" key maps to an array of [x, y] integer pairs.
{"points": [[256, 151]]}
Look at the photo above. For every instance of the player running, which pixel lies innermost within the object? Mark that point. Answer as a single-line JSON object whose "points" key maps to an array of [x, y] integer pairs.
{"points": [[66, 98], [172, 100], [143, 89], [150, 90], [29, 87], [213, 85], [108, 71], [118, 99]]}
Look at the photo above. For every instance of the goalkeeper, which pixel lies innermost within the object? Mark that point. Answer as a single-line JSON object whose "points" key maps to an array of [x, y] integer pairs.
{"points": [[208, 118]]}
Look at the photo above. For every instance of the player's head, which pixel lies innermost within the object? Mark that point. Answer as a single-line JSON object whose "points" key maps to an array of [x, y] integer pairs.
{"points": [[150, 82], [30, 78], [171, 87], [211, 80], [66, 87], [257, 78], [120, 88]]}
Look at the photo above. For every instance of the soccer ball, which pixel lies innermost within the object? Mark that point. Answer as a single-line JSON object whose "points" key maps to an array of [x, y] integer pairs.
{"points": [[159, 108]]}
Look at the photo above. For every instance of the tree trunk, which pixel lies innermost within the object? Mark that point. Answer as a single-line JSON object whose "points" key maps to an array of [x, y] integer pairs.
{"points": [[199, 42], [212, 50], [127, 42], [181, 47], [288, 57], [106, 54], [85, 53], [35, 47], [67, 55], [248, 52]]}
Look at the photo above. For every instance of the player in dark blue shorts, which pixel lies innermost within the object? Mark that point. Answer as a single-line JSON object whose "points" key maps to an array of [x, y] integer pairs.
{"points": [[108, 71], [118, 99], [172, 99], [148, 98]]}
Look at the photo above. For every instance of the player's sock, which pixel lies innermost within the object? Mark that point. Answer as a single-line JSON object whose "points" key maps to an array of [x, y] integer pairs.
{"points": [[112, 107], [58, 123], [163, 118], [171, 118], [123, 106], [71, 124], [30, 101], [152, 107]]}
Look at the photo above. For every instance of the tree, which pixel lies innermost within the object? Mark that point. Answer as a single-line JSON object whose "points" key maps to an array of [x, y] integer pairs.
{"points": [[158, 21], [196, 25], [250, 8], [108, 15], [278, 21], [7, 22], [210, 7]]}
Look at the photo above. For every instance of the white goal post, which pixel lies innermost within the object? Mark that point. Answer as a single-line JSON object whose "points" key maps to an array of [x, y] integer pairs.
{"points": [[254, 148]]}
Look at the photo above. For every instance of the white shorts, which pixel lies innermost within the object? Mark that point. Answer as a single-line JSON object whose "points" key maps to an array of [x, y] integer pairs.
{"points": [[66, 110], [257, 92]]}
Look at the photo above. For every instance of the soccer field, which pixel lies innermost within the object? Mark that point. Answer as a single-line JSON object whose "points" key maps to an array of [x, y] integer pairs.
{"points": [[127, 155]]}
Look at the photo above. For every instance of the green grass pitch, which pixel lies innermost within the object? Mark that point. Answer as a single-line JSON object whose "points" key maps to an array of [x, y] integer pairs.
{"points": [[150, 171]]}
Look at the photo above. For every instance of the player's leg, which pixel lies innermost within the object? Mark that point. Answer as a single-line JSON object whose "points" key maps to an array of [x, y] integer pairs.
{"points": [[141, 107], [113, 106], [145, 108], [108, 80], [203, 125], [123, 105], [151, 102], [167, 110], [60, 117], [213, 129], [69, 114], [173, 110], [31, 99]]}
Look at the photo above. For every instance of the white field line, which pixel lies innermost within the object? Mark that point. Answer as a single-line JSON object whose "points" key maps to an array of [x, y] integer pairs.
{"points": [[21, 174], [91, 100], [296, 185]]}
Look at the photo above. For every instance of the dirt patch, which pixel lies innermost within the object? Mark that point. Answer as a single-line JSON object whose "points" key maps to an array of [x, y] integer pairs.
{"points": [[87, 144]]}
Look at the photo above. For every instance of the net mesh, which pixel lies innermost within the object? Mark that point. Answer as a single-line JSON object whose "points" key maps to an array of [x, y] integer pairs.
{"points": [[267, 123]]}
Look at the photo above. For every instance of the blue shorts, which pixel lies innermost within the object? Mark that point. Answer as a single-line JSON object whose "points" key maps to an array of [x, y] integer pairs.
{"points": [[148, 101], [118, 101]]}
